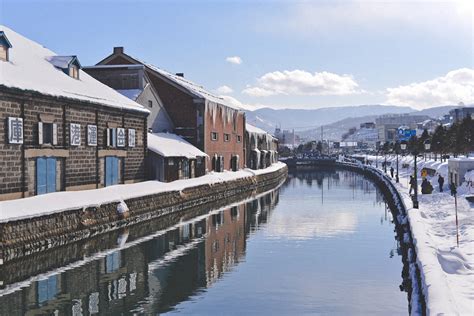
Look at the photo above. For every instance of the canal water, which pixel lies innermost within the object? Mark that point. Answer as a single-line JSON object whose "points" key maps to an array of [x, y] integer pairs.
{"points": [[323, 243]]}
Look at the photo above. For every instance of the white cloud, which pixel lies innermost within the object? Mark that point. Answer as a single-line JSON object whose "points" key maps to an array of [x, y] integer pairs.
{"points": [[300, 82], [234, 60], [224, 90], [456, 86], [311, 17]]}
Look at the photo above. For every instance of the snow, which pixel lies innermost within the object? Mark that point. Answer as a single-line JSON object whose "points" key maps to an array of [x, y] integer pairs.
{"points": [[255, 130], [172, 145], [30, 69], [132, 94], [62, 201], [447, 270]]}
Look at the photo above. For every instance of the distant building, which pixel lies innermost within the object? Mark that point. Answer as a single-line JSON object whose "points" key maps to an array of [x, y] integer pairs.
{"points": [[60, 129], [205, 120], [367, 125], [172, 158], [287, 137], [387, 125], [460, 114], [457, 168]]}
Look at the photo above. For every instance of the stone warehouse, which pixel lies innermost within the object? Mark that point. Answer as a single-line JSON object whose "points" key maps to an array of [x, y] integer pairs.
{"points": [[203, 119], [61, 129]]}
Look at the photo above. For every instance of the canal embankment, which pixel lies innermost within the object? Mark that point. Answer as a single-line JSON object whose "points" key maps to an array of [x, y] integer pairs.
{"points": [[446, 269], [35, 224], [412, 274]]}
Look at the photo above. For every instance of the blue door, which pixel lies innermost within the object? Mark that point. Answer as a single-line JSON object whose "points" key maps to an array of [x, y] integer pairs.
{"points": [[45, 175], [111, 171]]}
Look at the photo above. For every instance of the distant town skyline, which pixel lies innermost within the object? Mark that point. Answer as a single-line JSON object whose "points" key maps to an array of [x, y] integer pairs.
{"points": [[279, 54]]}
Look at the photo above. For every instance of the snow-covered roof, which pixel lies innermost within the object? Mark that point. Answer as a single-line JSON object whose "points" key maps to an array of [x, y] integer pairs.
{"points": [[253, 129], [130, 93], [63, 61], [195, 89], [172, 145], [29, 68]]}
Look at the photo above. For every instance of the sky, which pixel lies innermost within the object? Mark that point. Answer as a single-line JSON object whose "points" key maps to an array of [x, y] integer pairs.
{"points": [[279, 54]]}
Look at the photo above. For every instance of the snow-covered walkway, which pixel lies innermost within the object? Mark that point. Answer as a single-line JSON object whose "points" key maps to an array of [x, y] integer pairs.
{"points": [[63, 201], [447, 271]]}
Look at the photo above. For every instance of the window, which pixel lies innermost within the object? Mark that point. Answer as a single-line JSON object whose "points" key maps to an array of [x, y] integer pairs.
{"points": [[150, 103], [4, 46], [74, 72], [111, 137], [170, 162], [239, 138], [47, 133], [3, 53], [213, 136], [226, 137]]}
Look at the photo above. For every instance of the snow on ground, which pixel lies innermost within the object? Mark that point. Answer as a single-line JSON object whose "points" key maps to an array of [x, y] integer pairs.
{"points": [[62, 201], [447, 270]]}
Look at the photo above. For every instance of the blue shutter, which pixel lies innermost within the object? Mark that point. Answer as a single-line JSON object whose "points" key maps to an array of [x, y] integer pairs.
{"points": [[108, 171], [41, 176], [51, 175]]}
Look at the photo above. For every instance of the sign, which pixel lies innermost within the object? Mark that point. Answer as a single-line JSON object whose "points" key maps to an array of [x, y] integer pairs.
{"points": [[131, 137], [121, 137], [92, 135], [15, 130], [404, 134], [75, 134]]}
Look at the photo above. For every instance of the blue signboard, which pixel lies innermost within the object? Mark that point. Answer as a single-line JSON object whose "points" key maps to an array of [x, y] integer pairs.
{"points": [[406, 134]]}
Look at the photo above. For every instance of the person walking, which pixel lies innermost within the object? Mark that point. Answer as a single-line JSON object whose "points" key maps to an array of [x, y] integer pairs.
{"points": [[412, 184], [391, 171], [441, 183]]}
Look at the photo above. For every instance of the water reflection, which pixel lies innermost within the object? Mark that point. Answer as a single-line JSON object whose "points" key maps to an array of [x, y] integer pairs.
{"points": [[324, 243], [150, 276]]}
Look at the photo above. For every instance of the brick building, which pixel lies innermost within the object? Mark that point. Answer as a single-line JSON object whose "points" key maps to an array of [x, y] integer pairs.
{"points": [[261, 147], [203, 119], [60, 129]]}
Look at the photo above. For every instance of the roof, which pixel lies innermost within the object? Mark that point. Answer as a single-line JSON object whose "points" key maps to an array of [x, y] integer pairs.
{"points": [[172, 145], [63, 61], [3, 36], [253, 129], [192, 88], [30, 70]]}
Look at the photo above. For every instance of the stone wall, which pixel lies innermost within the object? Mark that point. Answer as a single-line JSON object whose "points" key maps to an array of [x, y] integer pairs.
{"points": [[78, 167], [24, 237]]}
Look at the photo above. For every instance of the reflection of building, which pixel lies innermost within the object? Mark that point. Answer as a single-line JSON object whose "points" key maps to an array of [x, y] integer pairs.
{"points": [[150, 277]]}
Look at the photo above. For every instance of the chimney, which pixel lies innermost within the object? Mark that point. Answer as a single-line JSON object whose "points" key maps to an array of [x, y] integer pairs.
{"points": [[118, 50], [180, 74]]}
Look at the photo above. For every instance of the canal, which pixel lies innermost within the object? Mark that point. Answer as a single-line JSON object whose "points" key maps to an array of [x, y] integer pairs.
{"points": [[322, 243]]}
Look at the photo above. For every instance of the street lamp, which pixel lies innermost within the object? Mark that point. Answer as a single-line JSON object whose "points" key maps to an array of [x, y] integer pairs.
{"points": [[427, 146], [415, 196]]}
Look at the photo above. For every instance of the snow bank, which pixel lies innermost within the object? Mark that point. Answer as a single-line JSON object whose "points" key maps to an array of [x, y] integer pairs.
{"points": [[30, 69], [172, 145], [447, 270], [63, 201]]}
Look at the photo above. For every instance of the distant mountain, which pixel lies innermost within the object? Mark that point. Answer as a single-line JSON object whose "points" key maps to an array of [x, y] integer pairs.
{"points": [[299, 119], [438, 111]]}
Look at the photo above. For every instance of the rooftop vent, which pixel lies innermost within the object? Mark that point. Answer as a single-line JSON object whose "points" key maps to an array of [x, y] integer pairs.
{"points": [[180, 74]]}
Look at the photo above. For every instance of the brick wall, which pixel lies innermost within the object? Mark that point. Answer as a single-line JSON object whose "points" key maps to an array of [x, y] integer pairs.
{"points": [[221, 147]]}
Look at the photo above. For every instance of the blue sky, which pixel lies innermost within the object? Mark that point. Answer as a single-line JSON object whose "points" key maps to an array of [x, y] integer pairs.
{"points": [[298, 54]]}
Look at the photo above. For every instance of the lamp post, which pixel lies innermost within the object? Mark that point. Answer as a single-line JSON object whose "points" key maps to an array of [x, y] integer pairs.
{"points": [[415, 196], [427, 146], [396, 153]]}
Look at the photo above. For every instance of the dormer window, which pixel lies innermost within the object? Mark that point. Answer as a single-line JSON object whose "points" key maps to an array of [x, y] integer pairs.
{"points": [[68, 64], [4, 47]]}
